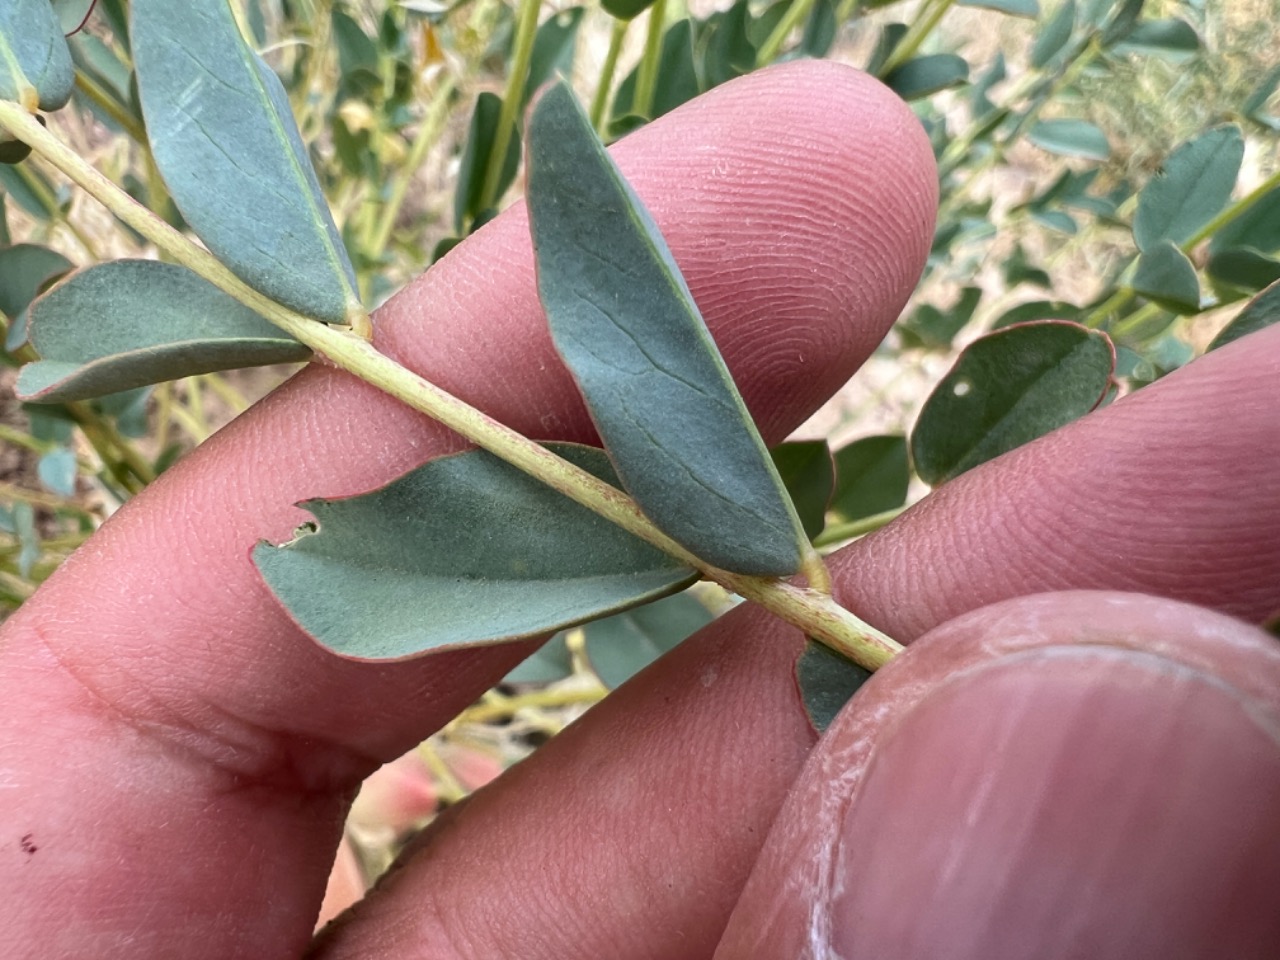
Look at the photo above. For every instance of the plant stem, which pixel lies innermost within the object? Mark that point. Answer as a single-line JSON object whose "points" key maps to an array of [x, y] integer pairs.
{"points": [[526, 31], [1237, 209], [9, 492], [600, 101], [914, 37], [647, 72], [500, 707], [795, 14], [813, 611], [840, 532], [111, 107], [429, 130]]}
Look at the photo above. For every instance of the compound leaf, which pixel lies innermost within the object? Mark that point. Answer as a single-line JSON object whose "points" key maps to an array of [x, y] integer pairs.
{"points": [[129, 323], [462, 552], [226, 143], [35, 64], [1007, 389], [626, 324], [1194, 184]]}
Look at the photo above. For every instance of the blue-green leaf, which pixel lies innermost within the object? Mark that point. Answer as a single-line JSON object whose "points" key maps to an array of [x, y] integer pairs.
{"points": [[1007, 389], [57, 471], [626, 324], [620, 646], [129, 323], [462, 552], [1165, 275], [1173, 39], [826, 681], [35, 64], [1262, 311], [1194, 183], [1054, 35], [809, 475], [922, 76], [872, 475], [1071, 138], [230, 152], [1016, 8], [25, 270]]}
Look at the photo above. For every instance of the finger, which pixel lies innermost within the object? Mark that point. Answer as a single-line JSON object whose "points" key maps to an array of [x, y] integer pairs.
{"points": [[181, 703], [689, 762], [1067, 775]]}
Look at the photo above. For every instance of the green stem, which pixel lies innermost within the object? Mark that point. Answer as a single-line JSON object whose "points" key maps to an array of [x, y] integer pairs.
{"points": [[840, 532], [526, 31], [111, 107], [647, 73], [1237, 209], [116, 452], [600, 102], [795, 15], [847, 9], [10, 493], [428, 134], [914, 37], [816, 613]]}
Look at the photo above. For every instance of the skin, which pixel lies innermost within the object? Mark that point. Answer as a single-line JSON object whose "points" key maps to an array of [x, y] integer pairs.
{"points": [[1080, 773]]}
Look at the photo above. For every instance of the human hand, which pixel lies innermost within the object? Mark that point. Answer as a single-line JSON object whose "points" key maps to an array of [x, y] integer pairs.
{"points": [[177, 758]]}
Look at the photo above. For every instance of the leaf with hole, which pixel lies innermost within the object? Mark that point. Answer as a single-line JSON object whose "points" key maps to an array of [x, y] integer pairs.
{"points": [[872, 475], [1194, 183], [1007, 389], [129, 323], [627, 327], [808, 473], [826, 681], [35, 64], [1165, 275], [1262, 311], [228, 148], [1070, 138], [922, 76], [465, 551]]}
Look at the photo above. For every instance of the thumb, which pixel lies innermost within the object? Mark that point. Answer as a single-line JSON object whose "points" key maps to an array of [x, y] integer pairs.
{"points": [[1066, 775]]}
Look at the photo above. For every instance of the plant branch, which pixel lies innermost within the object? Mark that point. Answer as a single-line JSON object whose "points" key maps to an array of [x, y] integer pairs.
{"points": [[840, 532], [600, 101], [647, 72], [795, 15], [526, 32], [914, 37], [811, 610], [429, 130]]}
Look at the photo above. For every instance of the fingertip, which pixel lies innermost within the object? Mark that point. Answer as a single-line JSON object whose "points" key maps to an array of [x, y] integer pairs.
{"points": [[1079, 774]]}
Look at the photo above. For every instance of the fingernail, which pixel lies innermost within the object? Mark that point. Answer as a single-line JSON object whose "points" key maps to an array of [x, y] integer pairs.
{"points": [[1066, 803]]}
